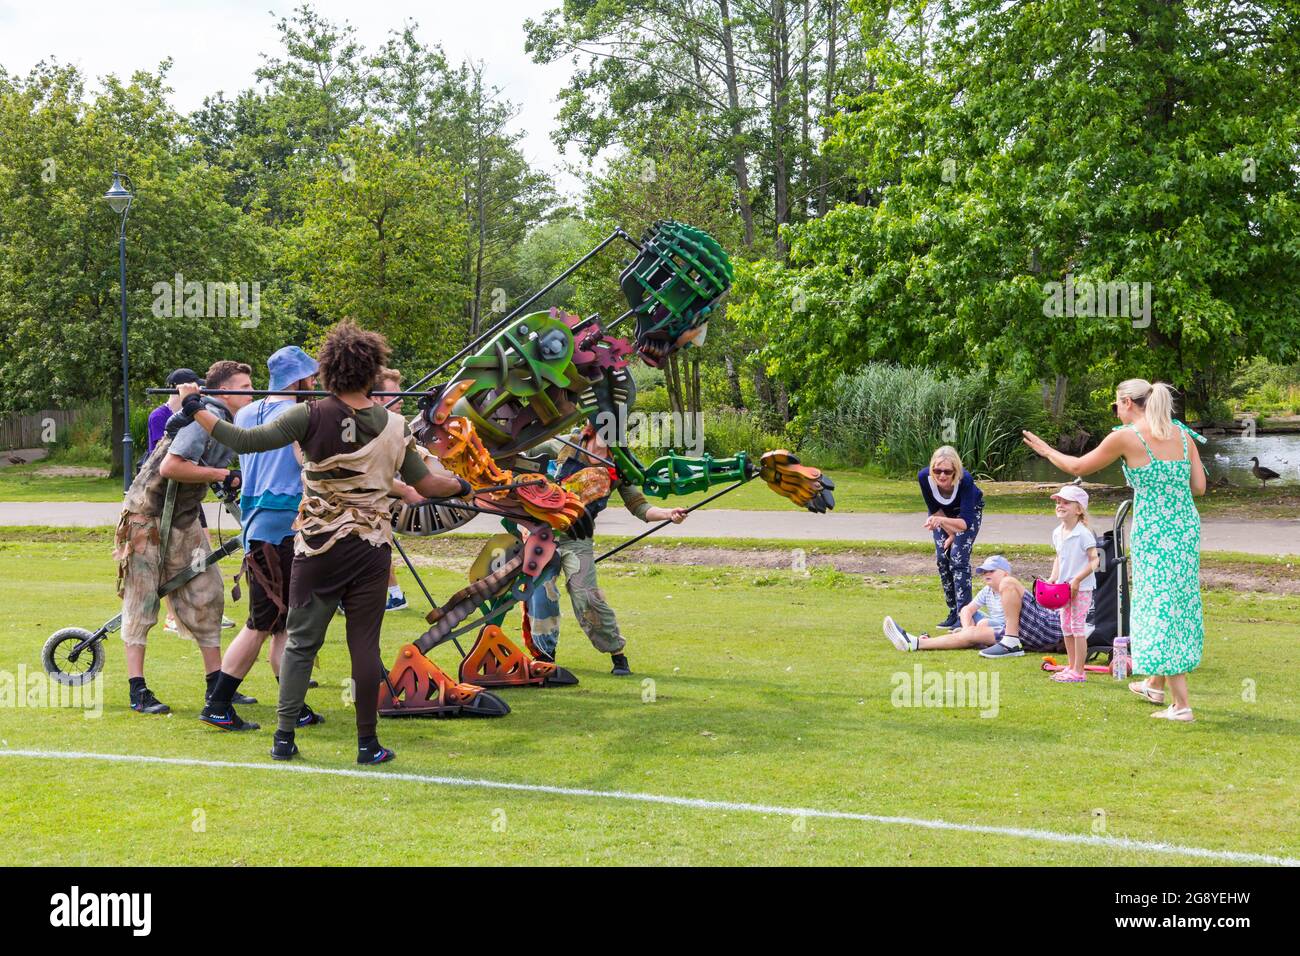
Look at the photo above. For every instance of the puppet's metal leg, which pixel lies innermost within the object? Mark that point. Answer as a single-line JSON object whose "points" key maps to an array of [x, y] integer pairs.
{"points": [[497, 661], [420, 688]]}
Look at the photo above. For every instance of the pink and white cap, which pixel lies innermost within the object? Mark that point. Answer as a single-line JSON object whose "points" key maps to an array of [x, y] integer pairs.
{"points": [[1073, 493]]}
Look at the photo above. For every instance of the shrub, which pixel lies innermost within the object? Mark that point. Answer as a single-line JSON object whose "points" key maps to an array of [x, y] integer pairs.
{"points": [[893, 418], [88, 440], [730, 430]]}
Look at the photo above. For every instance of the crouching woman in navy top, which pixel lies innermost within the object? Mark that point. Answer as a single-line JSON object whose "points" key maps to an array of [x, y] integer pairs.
{"points": [[954, 506]]}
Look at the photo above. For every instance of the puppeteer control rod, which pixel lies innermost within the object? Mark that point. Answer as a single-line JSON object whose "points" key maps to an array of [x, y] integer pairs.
{"points": [[616, 234], [511, 601], [295, 392], [664, 524]]}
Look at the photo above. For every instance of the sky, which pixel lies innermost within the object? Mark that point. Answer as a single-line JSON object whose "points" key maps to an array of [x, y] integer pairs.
{"points": [[217, 45]]}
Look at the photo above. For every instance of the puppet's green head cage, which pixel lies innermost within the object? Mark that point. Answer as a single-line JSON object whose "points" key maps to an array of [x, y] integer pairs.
{"points": [[673, 285]]}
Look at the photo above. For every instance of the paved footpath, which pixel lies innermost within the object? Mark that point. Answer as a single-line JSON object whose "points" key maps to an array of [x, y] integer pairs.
{"points": [[1252, 537]]}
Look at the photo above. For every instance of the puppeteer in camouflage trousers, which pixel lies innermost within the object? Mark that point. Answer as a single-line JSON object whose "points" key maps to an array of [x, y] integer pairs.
{"points": [[595, 616], [578, 558], [143, 569]]}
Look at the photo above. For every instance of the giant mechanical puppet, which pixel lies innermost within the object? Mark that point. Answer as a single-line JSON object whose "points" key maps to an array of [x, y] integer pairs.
{"points": [[529, 379]]}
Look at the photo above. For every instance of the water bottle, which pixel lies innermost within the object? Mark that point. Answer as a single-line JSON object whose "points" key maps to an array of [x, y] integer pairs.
{"points": [[1120, 666]]}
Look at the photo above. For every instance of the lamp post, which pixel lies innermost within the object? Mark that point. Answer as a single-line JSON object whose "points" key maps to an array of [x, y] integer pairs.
{"points": [[119, 199]]}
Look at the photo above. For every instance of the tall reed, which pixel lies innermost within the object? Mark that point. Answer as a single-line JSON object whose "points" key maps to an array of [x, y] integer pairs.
{"points": [[893, 417]]}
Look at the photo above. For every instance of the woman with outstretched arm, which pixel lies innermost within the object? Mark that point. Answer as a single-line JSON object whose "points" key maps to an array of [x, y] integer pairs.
{"points": [[1165, 471]]}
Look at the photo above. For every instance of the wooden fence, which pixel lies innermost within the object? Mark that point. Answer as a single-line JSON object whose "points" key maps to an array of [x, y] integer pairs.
{"points": [[36, 429]]}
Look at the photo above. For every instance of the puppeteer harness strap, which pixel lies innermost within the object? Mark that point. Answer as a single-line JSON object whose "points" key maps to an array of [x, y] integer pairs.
{"points": [[270, 579], [165, 524]]}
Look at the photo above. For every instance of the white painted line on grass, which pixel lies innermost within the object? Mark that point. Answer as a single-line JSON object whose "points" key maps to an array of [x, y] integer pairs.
{"points": [[695, 803]]}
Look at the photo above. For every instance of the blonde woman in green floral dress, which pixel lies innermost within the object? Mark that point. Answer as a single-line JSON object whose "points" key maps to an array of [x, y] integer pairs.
{"points": [[1165, 471]]}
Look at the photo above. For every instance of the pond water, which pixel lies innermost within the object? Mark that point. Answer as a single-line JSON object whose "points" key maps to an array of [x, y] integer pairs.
{"points": [[1226, 456]]}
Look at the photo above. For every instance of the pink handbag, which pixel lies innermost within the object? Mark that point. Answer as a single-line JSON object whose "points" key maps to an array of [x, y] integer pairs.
{"points": [[1051, 596]]}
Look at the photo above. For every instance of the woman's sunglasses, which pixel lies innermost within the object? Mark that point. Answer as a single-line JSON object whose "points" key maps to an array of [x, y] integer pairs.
{"points": [[943, 471]]}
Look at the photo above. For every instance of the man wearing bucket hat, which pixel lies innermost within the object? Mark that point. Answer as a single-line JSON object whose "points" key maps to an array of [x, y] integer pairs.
{"points": [[1002, 619], [270, 494]]}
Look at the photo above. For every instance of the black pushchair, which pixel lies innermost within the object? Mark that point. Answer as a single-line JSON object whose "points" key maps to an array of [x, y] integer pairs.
{"points": [[1109, 616]]}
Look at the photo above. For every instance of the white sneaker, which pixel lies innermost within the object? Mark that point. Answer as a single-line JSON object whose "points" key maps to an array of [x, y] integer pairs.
{"points": [[170, 625], [898, 637]]}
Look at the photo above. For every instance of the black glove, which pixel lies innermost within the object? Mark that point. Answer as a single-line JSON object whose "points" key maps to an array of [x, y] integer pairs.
{"points": [[175, 423], [584, 527], [465, 489], [230, 484], [191, 405]]}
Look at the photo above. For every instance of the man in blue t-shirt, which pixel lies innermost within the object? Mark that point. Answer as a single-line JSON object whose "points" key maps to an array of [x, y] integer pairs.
{"points": [[269, 498]]}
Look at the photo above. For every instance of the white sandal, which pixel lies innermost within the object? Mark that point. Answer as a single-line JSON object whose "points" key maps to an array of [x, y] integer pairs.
{"points": [[1148, 693], [1172, 712]]}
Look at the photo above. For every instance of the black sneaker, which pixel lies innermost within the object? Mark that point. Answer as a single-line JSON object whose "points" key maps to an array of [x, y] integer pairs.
{"points": [[307, 717], [284, 748], [226, 719], [541, 655], [375, 754], [147, 703], [950, 622], [620, 665]]}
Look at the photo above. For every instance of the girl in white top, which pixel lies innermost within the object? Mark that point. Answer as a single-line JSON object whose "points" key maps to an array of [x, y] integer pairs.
{"points": [[1076, 561]]}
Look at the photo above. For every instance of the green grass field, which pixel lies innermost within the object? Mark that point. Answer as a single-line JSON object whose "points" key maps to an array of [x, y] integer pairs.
{"points": [[766, 688], [855, 491]]}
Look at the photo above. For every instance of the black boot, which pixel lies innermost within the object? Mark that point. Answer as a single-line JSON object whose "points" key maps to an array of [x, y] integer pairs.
{"points": [[620, 665], [143, 700], [307, 717], [370, 751], [283, 747]]}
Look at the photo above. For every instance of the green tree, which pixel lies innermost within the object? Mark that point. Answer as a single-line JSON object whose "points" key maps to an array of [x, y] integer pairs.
{"points": [[380, 242], [762, 76], [1004, 148], [59, 308]]}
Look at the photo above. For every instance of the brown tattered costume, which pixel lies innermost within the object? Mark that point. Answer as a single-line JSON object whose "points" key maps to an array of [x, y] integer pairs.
{"points": [[158, 536]]}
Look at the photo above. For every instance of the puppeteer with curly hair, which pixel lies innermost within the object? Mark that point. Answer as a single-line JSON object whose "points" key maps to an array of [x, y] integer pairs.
{"points": [[352, 449]]}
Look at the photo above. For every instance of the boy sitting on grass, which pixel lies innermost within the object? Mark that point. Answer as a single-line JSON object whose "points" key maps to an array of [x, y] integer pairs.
{"points": [[1002, 619]]}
